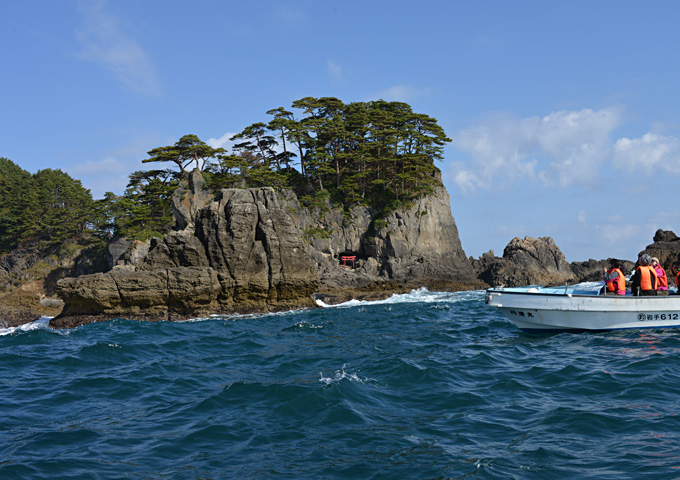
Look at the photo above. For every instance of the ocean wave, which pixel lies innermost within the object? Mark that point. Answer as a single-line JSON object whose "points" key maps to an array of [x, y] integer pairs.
{"points": [[39, 324], [420, 295], [409, 389], [340, 375]]}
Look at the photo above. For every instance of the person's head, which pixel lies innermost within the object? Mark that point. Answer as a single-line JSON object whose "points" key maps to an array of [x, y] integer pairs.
{"points": [[675, 268], [645, 260], [655, 261], [614, 263]]}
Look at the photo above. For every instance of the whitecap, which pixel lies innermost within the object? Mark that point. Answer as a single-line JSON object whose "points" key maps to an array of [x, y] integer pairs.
{"points": [[420, 295], [41, 323], [340, 375], [321, 303]]}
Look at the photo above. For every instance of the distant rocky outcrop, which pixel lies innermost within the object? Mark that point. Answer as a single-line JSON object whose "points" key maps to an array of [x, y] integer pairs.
{"points": [[666, 248], [241, 252], [527, 261], [539, 261], [591, 270]]}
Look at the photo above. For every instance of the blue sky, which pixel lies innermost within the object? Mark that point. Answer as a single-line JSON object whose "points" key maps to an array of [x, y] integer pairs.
{"points": [[565, 116]]}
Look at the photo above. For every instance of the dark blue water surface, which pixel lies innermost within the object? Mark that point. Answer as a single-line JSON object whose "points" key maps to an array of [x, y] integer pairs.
{"points": [[423, 386]]}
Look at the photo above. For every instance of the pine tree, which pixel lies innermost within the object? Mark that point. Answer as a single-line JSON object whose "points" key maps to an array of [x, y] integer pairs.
{"points": [[18, 204], [65, 207], [187, 150]]}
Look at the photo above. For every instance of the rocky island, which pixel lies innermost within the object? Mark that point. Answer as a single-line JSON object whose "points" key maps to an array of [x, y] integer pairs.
{"points": [[258, 250], [247, 250], [343, 202]]}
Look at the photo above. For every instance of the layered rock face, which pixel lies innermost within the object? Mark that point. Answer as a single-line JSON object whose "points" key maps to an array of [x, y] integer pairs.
{"points": [[241, 253], [527, 261], [256, 250], [423, 243], [418, 246]]}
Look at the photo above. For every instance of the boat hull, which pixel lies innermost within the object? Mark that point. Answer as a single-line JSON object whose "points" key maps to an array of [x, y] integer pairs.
{"points": [[545, 310]]}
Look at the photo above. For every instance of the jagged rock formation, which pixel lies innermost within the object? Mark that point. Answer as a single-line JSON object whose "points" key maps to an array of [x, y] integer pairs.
{"points": [[250, 250], [239, 253], [666, 248], [257, 250], [540, 261], [527, 261], [418, 246]]}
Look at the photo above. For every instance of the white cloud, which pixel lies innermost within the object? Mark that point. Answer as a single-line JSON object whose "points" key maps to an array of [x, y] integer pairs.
{"points": [[577, 142], [560, 149], [622, 238], [105, 43], [335, 71], [466, 180], [222, 142], [648, 154]]}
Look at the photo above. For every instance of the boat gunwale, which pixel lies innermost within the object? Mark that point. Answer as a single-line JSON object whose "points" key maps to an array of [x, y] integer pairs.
{"points": [[581, 295]]}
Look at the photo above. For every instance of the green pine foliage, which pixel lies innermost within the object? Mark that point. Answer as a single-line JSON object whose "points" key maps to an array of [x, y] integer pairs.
{"points": [[65, 206], [145, 210], [378, 153], [48, 207], [17, 204]]}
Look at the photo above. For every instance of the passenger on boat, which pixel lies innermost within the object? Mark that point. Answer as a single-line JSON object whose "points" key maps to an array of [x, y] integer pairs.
{"points": [[644, 280], [675, 270], [662, 287], [614, 279]]}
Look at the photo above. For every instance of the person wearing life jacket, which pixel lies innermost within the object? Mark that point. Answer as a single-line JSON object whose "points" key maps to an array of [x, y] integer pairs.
{"points": [[675, 269], [614, 279], [662, 287], [644, 280]]}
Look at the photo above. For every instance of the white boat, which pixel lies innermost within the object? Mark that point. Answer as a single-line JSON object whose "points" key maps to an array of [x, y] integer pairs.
{"points": [[581, 308]]}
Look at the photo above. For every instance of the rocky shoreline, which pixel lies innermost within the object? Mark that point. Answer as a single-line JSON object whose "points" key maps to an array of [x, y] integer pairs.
{"points": [[257, 250]]}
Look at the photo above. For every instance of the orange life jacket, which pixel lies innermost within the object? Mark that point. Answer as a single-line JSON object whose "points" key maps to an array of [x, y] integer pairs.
{"points": [[648, 279], [617, 285]]}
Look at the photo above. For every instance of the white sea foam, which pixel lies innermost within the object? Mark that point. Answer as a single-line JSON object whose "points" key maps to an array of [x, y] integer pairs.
{"points": [[420, 295], [242, 316], [42, 322], [341, 374]]}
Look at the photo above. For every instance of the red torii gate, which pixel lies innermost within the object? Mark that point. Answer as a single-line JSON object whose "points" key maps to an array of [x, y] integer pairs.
{"points": [[347, 258]]}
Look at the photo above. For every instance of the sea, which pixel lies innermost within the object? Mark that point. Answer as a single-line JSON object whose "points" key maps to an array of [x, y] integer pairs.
{"points": [[426, 385]]}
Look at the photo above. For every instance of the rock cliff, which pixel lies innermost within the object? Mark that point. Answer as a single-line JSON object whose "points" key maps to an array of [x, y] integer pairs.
{"points": [[256, 250], [412, 247], [239, 253]]}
